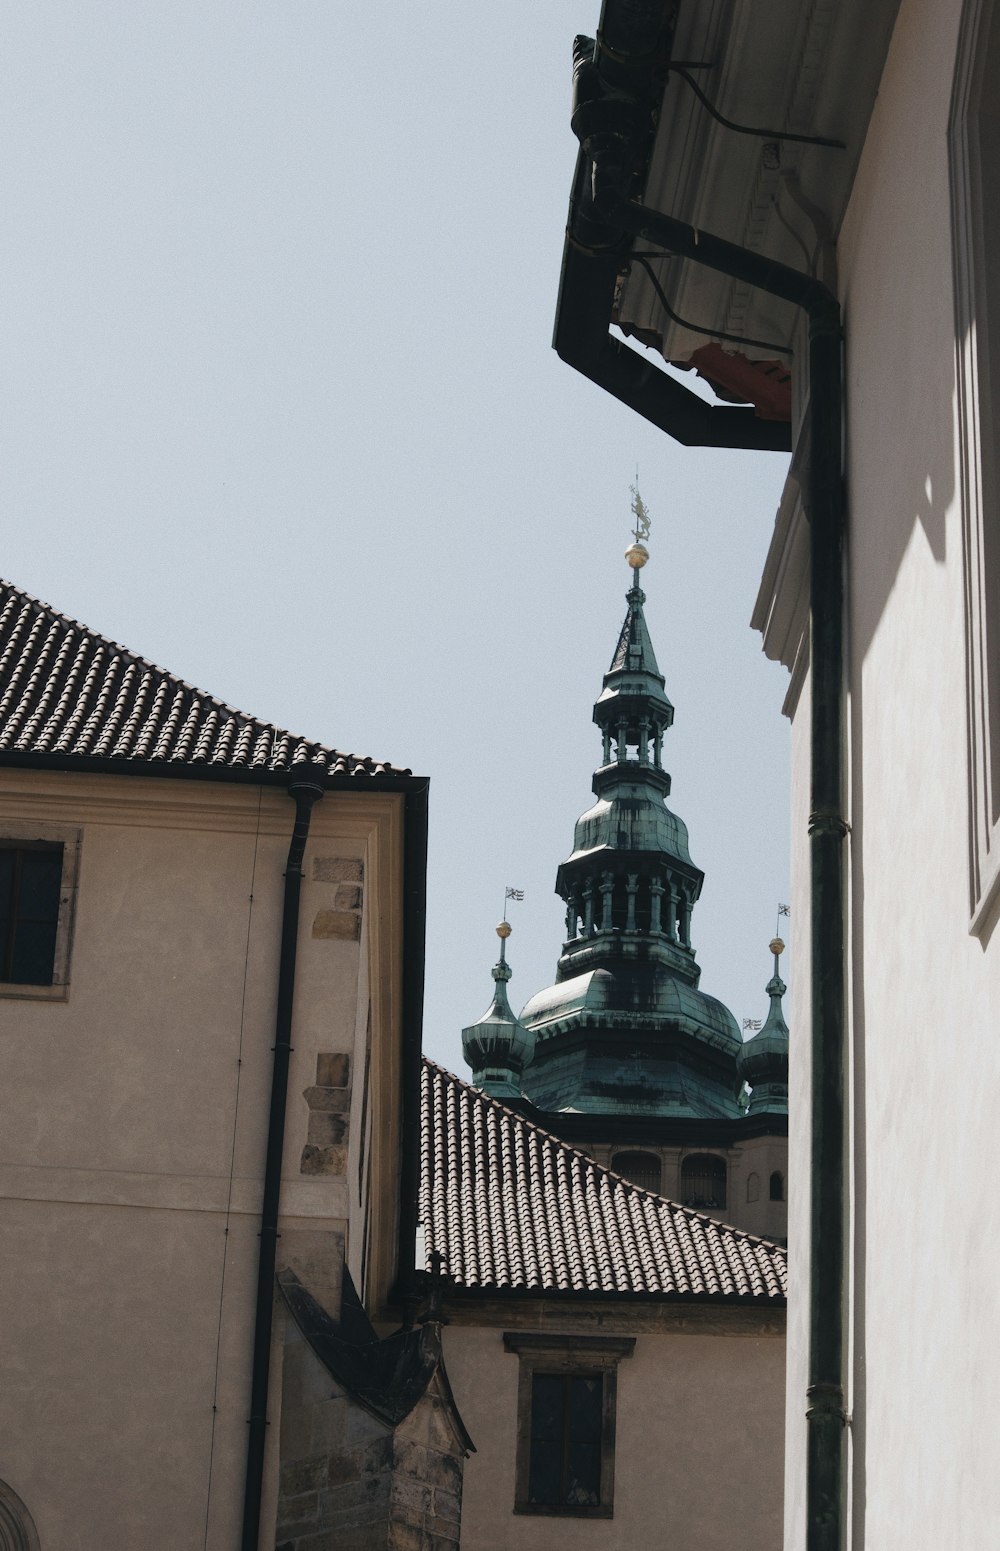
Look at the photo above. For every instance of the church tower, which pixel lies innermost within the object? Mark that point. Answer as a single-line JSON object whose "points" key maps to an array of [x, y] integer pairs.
{"points": [[625, 1029], [624, 1056]]}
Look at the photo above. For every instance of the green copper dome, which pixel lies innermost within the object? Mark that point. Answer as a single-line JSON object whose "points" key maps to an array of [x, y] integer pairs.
{"points": [[763, 1060], [625, 1027], [498, 1046]]}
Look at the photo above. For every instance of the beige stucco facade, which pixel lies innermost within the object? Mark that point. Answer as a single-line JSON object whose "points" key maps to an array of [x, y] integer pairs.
{"points": [[698, 1428], [132, 1152], [924, 954]]}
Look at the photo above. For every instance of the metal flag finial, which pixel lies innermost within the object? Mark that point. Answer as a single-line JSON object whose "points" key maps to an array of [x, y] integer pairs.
{"points": [[511, 894]]}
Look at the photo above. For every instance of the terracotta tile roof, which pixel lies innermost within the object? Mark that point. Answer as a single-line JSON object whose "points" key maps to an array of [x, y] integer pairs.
{"points": [[510, 1207], [67, 694]]}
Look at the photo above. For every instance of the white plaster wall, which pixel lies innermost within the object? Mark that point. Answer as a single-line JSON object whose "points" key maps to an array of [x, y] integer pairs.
{"points": [[123, 1146], [698, 1446], [925, 1285]]}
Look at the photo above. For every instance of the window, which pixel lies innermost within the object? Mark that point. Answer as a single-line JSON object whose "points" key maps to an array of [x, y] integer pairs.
{"points": [[30, 876], [777, 1186], [38, 872], [567, 1395], [703, 1182], [753, 1187], [640, 1168]]}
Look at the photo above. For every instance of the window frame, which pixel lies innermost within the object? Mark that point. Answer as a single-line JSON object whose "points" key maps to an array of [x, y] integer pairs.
{"points": [[570, 1356], [22, 834]]}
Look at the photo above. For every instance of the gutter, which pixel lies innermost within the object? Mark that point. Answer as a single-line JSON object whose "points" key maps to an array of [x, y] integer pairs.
{"points": [[414, 944], [306, 786], [605, 218]]}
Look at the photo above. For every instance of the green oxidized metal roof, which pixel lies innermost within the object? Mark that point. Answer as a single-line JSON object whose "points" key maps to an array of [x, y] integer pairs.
{"points": [[498, 1046], [634, 672], [625, 1028]]}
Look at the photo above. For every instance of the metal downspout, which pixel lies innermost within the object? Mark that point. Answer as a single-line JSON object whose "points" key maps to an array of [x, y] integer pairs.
{"points": [[825, 502], [306, 786]]}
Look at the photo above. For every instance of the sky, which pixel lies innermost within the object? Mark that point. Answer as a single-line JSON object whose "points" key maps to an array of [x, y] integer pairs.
{"points": [[281, 414]]}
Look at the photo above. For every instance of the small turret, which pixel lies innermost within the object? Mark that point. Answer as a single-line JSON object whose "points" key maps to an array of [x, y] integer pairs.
{"points": [[498, 1047], [763, 1061]]}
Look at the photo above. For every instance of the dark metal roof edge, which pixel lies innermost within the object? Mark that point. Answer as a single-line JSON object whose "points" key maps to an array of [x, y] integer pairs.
{"points": [[593, 253], [462, 1292]]}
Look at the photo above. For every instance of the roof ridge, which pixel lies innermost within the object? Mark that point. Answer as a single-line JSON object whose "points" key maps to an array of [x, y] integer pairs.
{"points": [[629, 1187], [59, 618], [69, 692]]}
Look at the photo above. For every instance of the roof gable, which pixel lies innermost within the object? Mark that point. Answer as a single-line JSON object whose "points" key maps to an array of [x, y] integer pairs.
{"points": [[69, 697], [509, 1207]]}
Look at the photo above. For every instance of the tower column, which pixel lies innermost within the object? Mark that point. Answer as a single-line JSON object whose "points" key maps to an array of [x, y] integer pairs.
{"points": [[607, 889], [644, 743], [588, 910], [655, 905], [671, 913], [632, 885], [622, 745]]}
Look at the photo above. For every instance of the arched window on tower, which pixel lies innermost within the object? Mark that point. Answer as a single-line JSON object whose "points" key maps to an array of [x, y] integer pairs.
{"points": [[703, 1182], [640, 1168], [777, 1186], [753, 1187]]}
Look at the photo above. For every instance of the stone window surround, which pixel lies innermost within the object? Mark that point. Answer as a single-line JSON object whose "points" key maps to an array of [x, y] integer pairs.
{"points": [[567, 1354], [973, 145], [21, 831]]}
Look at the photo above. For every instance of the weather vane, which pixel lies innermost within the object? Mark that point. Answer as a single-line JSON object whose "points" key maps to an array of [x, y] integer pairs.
{"points": [[639, 512], [511, 894]]}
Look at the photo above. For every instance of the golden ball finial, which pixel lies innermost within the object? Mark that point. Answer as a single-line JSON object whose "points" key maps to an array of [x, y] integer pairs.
{"points": [[777, 946], [637, 554], [504, 929]]}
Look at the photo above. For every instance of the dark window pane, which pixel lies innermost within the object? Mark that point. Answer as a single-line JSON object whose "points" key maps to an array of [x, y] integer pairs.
{"points": [[584, 1484], [545, 1478], [703, 1182], [30, 879], [548, 1406], [585, 1408], [642, 1168], [33, 956], [38, 895]]}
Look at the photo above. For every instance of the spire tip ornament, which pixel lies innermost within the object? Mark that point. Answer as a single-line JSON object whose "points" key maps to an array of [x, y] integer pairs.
{"points": [[504, 929], [637, 554]]}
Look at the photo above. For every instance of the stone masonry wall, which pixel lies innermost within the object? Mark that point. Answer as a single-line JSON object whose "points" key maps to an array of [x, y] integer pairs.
{"points": [[349, 1482]]}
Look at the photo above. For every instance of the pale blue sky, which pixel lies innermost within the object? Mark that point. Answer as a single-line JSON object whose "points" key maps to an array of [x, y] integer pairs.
{"points": [[280, 412]]}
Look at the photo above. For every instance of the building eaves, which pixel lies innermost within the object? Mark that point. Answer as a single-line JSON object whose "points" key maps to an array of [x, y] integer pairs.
{"points": [[510, 1208], [71, 699]]}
